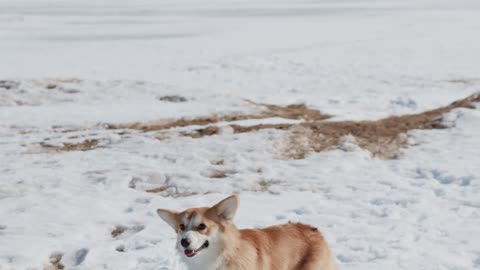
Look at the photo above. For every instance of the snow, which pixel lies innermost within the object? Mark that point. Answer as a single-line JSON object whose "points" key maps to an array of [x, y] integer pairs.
{"points": [[356, 60]]}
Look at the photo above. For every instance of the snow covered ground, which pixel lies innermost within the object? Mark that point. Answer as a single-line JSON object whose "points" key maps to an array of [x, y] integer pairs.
{"points": [[73, 66]]}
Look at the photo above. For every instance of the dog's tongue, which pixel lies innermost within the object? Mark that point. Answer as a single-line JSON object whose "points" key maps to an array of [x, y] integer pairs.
{"points": [[188, 252]]}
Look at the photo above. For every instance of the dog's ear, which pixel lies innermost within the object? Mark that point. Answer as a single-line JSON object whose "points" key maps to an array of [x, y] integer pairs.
{"points": [[227, 208], [169, 217]]}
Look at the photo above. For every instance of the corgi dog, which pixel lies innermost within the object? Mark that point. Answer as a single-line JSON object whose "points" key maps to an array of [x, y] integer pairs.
{"points": [[208, 240]]}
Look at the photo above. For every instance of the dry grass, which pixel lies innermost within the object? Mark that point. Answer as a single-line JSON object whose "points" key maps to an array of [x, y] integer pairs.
{"points": [[217, 174], [202, 132], [55, 262], [212, 130], [296, 111], [157, 190], [117, 231], [383, 138], [85, 145]]}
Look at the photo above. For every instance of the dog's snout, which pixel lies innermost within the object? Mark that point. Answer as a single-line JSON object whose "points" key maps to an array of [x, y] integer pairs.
{"points": [[185, 242]]}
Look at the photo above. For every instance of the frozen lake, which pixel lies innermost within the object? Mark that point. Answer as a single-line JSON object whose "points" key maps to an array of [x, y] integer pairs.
{"points": [[171, 35], [149, 21]]}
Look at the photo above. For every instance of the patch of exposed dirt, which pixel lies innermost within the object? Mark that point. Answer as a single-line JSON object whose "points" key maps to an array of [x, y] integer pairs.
{"points": [[202, 132], [212, 130], [55, 262], [217, 174], [117, 231], [383, 138], [157, 190], [298, 142], [295, 111], [85, 145]]}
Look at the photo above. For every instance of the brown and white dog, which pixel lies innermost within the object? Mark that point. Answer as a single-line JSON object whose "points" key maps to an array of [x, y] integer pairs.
{"points": [[208, 240]]}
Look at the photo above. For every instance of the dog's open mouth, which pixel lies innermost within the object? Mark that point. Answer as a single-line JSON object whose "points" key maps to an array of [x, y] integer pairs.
{"points": [[191, 253]]}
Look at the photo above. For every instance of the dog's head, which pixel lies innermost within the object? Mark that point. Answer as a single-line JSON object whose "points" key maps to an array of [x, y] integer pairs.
{"points": [[200, 230]]}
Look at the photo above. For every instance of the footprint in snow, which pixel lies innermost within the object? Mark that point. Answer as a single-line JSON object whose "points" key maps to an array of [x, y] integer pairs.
{"points": [[444, 178], [59, 260], [143, 200], [302, 211], [126, 231], [80, 256]]}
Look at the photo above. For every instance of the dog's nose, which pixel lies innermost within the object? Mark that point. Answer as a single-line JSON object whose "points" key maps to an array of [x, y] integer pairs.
{"points": [[185, 243]]}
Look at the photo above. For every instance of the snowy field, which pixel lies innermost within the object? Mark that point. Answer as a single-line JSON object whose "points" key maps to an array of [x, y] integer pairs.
{"points": [[71, 70]]}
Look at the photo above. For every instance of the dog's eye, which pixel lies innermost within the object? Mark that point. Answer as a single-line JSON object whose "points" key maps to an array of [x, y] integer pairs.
{"points": [[182, 227], [202, 227]]}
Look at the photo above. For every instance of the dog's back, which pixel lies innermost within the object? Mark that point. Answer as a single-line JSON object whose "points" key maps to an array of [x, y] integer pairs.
{"points": [[292, 246]]}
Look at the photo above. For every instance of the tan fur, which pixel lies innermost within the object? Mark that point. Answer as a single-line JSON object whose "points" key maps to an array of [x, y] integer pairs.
{"points": [[292, 246]]}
